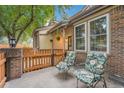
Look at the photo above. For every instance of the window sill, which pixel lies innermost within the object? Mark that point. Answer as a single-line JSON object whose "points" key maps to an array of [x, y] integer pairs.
{"points": [[81, 51]]}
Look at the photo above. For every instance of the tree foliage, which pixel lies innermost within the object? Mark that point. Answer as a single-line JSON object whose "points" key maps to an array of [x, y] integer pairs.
{"points": [[20, 21]]}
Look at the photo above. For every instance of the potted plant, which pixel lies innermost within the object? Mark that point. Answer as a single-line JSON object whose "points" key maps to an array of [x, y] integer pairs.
{"points": [[58, 38], [51, 40]]}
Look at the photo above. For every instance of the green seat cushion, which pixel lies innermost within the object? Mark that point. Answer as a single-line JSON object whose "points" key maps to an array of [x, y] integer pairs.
{"points": [[95, 63], [86, 76], [67, 62], [62, 66]]}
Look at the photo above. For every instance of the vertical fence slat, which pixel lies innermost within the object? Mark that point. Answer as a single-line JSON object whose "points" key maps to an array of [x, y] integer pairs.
{"points": [[2, 69]]}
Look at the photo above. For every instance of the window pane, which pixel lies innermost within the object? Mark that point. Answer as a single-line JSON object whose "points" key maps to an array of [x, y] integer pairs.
{"points": [[80, 44], [80, 30], [98, 29], [80, 37]]}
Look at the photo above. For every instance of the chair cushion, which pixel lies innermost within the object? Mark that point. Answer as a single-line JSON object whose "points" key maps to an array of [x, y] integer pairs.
{"points": [[62, 66], [86, 76], [71, 58], [71, 53], [67, 62], [94, 66], [70, 61], [95, 62]]}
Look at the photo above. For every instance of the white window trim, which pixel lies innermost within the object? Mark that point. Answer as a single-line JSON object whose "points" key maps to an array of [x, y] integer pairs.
{"points": [[108, 33], [85, 37]]}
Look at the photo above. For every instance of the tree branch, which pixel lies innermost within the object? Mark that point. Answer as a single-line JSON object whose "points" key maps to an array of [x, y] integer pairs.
{"points": [[26, 26], [16, 20], [4, 27]]}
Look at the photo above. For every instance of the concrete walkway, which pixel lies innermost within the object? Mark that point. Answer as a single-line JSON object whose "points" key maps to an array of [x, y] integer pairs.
{"points": [[49, 78]]}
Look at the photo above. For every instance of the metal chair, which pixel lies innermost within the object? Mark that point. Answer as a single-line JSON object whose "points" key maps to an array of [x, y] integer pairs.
{"points": [[93, 71], [68, 61]]}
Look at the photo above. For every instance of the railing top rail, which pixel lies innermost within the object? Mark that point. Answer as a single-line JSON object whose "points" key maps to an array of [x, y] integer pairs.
{"points": [[42, 52]]}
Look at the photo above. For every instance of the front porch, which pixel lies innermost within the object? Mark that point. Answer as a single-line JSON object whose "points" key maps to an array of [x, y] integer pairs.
{"points": [[51, 78]]}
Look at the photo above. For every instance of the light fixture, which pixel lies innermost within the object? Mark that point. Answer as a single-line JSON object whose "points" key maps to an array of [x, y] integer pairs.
{"points": [[12, 42], [66, 40]]}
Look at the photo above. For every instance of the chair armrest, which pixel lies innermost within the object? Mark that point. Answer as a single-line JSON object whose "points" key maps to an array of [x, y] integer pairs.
{"points": [[82, 64]]}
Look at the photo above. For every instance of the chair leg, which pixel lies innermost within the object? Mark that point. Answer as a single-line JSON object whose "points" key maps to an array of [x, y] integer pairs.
{"points": [[96, 83], [105, 85], [77, 83], [88, 86]]}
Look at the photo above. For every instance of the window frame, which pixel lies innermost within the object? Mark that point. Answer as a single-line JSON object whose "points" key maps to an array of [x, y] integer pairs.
{"points": [[84, 38], [107, 33]]}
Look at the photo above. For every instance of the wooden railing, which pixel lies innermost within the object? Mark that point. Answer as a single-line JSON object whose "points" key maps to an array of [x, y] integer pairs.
{"points": [[2, 69], [37, 59], [58, 55]]}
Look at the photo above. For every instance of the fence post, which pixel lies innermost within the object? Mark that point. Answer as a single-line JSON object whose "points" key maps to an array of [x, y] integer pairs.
{"points": [[52, 57]]}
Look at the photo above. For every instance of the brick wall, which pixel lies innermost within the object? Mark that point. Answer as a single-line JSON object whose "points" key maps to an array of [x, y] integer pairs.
{"points": [[13, 62], [69, 32], [116, 62], [80, 57]]}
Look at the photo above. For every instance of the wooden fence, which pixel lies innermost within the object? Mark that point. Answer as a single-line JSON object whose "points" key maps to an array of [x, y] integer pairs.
{"points": [[2, 69], [58, 55], [37, 59]]}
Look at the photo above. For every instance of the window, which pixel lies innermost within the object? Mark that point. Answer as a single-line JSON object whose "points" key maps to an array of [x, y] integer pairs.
{"points": [[98, 34], [80, 37]]}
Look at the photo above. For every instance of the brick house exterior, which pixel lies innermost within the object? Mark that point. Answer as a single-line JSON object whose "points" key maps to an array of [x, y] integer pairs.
{"points": [[114, 33], [117, 41]]}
